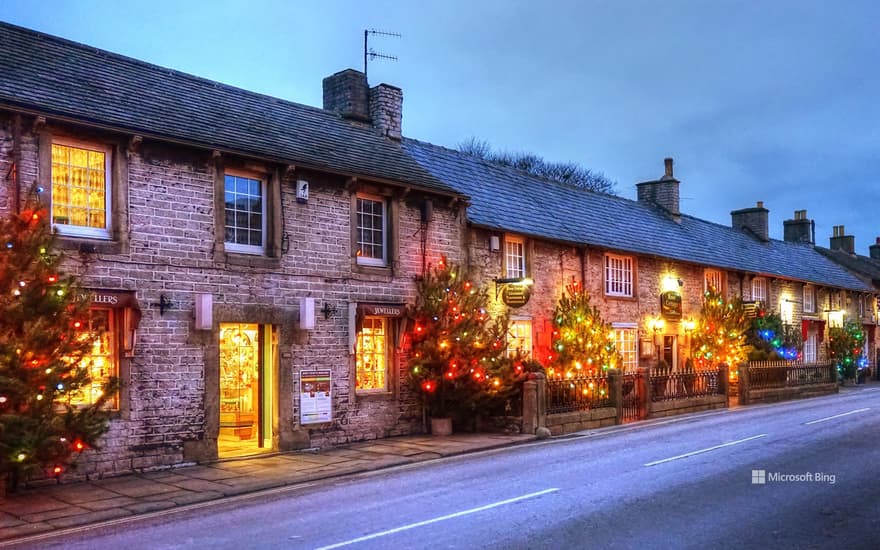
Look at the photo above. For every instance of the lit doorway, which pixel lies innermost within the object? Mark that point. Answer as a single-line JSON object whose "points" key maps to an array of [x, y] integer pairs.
{"points": [[247, 389], [670, 351]]}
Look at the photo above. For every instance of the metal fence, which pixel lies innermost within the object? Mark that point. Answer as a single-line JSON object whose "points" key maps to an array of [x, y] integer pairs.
{"points": [[784, 374], [578, 394], [682, 385], [633, 397]]}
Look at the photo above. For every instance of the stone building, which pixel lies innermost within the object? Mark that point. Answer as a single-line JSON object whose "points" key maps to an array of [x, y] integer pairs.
{"points": [[645, 264], [244, 255]]}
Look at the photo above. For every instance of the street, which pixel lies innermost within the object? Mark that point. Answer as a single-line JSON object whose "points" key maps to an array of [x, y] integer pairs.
{"points": [[795, 474]]}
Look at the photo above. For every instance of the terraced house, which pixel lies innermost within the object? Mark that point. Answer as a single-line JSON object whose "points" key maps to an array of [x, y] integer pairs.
{"points": [[249, 260]]}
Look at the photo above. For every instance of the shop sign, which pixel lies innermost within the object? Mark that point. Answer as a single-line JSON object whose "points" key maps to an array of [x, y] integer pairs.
{"points": [[382, 310], [315, 396], [516, 294], [670, 305]]}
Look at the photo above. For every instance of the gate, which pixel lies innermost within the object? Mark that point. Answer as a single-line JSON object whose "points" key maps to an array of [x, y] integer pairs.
{"points": [[633, 400]]}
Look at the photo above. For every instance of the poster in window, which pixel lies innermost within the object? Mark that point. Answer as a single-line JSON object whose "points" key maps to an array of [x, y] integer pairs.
{"points": [[315, 397]]}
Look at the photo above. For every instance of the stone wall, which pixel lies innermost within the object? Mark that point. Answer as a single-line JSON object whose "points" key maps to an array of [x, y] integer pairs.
{"points": [[566, 423], [674, 407]]}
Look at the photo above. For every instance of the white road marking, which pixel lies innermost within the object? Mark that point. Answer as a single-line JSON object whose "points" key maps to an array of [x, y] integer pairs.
{"points": [[701, 451], [435, 520], [837, 416]]}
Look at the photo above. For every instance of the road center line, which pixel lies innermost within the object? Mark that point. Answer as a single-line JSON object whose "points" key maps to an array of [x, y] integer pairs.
{"points": [[435, 520], [701, 451], [837, 416]]}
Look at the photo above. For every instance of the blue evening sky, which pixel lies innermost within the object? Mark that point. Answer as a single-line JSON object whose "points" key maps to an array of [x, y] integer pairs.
{"points": [[756, 100]]}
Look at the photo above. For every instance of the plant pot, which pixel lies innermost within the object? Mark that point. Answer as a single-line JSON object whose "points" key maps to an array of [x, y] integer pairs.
{"points": [[441, 426]]}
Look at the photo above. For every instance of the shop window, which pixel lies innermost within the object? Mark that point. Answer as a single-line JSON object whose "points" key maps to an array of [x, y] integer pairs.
{"points": [[81, 186], [626, 341], [245, 211], [102, 360], [371, 230], [519, 337], [618, 275], [809, 299], [759, 289], [371, 364], [514, 257]]}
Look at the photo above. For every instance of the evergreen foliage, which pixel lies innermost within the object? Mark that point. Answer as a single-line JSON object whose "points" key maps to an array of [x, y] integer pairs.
{"points": [[583, 343], [720, 334]]}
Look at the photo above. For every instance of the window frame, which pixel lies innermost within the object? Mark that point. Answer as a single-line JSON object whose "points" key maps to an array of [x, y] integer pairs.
{"points": [[515, 271], [620, 330], [236, 248], [387, 324], [626, 283], [811, 344], [710, 273], [809, 305], [530, 337], [114, 323], [68, 230], [370, 261], [760, 282]]}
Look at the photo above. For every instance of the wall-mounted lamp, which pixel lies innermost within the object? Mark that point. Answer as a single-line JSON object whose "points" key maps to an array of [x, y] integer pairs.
{"points": [[657, 325], [494, 243], [164, 304], [306, 313], [689, 325], [204, 311], [328, 310], [671, 283], [302, 191]]}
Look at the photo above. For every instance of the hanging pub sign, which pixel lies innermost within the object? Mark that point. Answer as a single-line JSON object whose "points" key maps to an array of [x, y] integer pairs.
{"points": [[515, 293], [315, 397], [670, 305]]}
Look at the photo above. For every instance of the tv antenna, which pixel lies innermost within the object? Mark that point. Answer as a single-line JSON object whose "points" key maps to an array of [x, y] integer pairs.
{"points": [[369, 53]]}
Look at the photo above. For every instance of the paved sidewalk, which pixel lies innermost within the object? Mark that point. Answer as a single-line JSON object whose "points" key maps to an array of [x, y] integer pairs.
{"points": [[43, 509]]}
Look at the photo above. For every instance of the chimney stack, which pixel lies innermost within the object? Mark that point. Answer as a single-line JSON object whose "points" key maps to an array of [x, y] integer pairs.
{"points": [[348, 94], [799, 230], [874, 250], [662, 193], [753, 220], [841, 241]]}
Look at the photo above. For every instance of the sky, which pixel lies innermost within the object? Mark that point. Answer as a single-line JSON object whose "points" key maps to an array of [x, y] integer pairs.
{"points": [[773, 101]]}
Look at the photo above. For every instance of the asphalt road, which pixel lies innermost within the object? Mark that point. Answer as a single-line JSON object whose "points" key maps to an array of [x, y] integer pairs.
{"points": [[685, 482]]}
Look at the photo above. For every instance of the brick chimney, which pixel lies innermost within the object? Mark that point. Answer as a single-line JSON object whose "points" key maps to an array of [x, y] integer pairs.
{"points": [[662, 193], [841, 241], [386, 109], [753, 220], [874, 250], [347, 93], [799, 230]]}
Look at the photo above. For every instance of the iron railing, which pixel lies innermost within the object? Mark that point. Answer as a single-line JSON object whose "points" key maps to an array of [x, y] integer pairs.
{"points": [[682, 385], [577, 394], [784, 374]]}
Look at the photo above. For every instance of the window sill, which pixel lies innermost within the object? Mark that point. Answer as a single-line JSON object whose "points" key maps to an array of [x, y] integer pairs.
{"points": [[87, 245], [374, 395], [621, 298], [249, 260], [375, 270]]}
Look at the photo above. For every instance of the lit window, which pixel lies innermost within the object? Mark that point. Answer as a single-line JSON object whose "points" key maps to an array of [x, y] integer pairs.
{"points": [[809, 299], [810, 349], [371, 231], [245, 214], [519, 337], [101, 361], [759, 289], [514, 258], [372, 355], [81, 189], [626, 340], [618, 275], [713, 281]]}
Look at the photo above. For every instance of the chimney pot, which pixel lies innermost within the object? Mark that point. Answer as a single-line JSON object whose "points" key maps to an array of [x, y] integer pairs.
{"points": [[841, 241], [661, 193], [668, 164], [798, 230]]}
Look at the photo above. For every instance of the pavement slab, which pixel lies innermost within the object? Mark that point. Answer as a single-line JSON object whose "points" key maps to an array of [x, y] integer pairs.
{"points": [[211, 474], [23, 503], [136, 487], [79, 493], [89, 517], [54, 514], [108, 503]]}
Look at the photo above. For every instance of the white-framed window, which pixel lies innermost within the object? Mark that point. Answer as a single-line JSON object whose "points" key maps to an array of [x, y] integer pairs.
{"points": [[372, 230], [759, 289], [835, 300], [810, 349], [81, 188], [245, 209], [713, 279], [626, 340], [514, 257], [102, 360], [519, 337], [371, 363], [618, 275], [809, 299]]}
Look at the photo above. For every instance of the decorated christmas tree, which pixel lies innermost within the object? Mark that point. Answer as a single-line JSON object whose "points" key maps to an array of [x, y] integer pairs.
{"points": [[720, 334], [43, 337], [846, 347], [771, 339], [583, 344], [459, 357]]}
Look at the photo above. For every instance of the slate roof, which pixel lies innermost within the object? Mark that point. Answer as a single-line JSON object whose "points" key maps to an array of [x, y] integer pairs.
{"points": [[863, 266], [506, 199], [58, 77]]}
